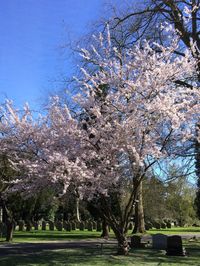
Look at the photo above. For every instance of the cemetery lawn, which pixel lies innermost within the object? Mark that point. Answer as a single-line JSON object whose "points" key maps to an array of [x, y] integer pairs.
{"points": [[94, 256], [51, 236], [176, 230]]}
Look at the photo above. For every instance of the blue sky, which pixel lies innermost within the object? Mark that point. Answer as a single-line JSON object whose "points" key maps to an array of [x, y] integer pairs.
{"points": [[32, 32]]}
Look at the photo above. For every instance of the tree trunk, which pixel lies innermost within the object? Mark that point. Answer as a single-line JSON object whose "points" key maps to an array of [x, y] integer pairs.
{"points": [[9, 222], [135, 229], [77, 209], [139, 226], [105, 230], [123, 246], [9, 230]]}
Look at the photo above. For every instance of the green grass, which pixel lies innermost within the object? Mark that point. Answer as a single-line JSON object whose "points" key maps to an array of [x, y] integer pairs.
{"points": [[93, 256], [44, 236], [176, 230]]}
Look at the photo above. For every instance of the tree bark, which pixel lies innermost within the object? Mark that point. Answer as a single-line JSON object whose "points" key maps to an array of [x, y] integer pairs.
{"points": [[139, 226], [135, 229], [9, 222], [105, 230], [123, 246], [9, 230], [77, 210]]}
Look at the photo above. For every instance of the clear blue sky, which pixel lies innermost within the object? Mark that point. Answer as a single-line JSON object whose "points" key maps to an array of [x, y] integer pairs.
{"points": [[31, 32]]}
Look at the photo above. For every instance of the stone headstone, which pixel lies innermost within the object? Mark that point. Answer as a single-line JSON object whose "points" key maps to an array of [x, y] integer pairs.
{"points": [[174, 246], [65, 225], [157, 225], [159, 241], [169, 225], [21, 225], [90, 226], [28, 226], [94, 224], [51, 225], [86, 224], [68, 226], [148, 226], [82, 226], [195, 225], [136, 242], [73, 225], [36, 225], [175, 223], [163, 225], [59, 226], [44, 224], [99, 226], [77, 224]]}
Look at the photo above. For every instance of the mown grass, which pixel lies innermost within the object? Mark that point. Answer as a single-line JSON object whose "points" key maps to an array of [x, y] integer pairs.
{"points": [[176, 230], [44, 236], [93, 256], [85, 256]]}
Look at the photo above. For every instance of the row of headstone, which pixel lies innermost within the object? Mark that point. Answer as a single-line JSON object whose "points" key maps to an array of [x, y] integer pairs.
{"points": [[68, 226], [172, 244], [90, 226], [157, 225]]}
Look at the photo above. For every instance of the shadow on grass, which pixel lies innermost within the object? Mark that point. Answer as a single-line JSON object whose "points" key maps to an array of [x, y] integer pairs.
{"points": [[36, 236], [93, 256], [54, 236]]}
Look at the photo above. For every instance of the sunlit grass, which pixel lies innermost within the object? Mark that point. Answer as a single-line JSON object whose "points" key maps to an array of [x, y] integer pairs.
{"points": [[77, 235], [93, 256], [46, 236], [176, 230]]}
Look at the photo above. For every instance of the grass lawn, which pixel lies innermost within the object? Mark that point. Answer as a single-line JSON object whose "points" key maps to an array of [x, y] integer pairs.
{"points": [[44, 236], [176, 230], [93, 256], [85, 256]]}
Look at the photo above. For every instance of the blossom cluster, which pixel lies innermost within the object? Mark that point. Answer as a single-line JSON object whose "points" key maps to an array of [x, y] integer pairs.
{"points": [[136, 108]]}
